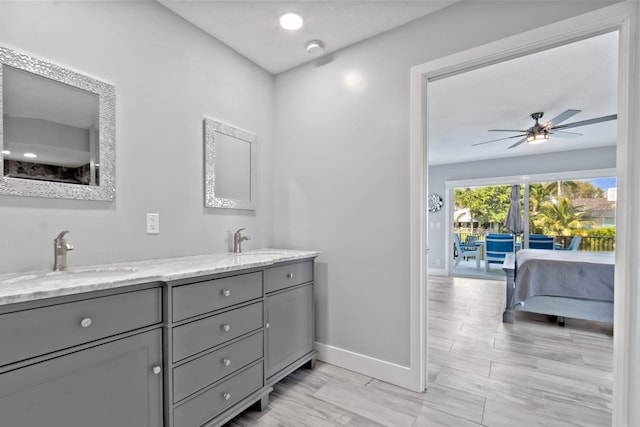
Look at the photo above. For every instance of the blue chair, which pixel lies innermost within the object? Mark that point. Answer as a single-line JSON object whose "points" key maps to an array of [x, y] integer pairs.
{"points": [[541, 241], [573, 246], [497, 247], [465, 251]]}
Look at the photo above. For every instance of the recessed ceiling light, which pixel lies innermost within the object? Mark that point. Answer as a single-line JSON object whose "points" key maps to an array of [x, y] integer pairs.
{"points": [[291, 21], [30, 155], [315, 47], [7, 152]]}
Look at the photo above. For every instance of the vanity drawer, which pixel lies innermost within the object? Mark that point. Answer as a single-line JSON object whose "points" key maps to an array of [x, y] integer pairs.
{"points": [[209, 404], [202, 297], [38, 331], [199, 373], [284, 276], [209, 332]]}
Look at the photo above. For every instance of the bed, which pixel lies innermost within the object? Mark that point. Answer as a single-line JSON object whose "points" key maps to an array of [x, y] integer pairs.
{"points": [[561, 283]]}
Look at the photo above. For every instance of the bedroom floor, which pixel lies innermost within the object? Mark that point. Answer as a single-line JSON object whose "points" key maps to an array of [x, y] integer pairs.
{"points": [[481, 373]]}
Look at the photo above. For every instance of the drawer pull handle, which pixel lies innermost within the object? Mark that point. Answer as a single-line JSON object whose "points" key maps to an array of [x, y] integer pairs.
{"points": [[86, 322], [289, 275], [227, 396], [156, 369], [226, 328], [267, 325], [226, 292], [227, 362]]}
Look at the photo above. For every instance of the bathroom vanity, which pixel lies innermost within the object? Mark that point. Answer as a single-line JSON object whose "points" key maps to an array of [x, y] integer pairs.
{"points": [[182, 342]]}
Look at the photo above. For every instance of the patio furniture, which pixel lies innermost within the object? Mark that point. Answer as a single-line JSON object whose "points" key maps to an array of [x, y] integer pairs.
{"points": [[497, 246], [541, 241], [465, 251], [573, 246]]}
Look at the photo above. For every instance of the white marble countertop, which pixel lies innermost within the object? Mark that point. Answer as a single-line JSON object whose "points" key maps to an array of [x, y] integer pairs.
{"points": [[29, 286]]}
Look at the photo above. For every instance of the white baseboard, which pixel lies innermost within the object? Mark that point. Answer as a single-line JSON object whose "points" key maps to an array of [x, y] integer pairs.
{"points": [[437, 272], [376, 368]]}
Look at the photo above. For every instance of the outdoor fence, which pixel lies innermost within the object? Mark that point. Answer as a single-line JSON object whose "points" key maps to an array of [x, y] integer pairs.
{"points": [[587, 244], [590, 243]]}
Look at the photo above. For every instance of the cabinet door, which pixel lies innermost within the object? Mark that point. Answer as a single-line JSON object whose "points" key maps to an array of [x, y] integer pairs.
{"points": [[290, 332], [104, 386]]}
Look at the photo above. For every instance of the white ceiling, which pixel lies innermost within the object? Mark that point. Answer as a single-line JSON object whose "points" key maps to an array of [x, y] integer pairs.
{"points": [[582, 76], [252, 29]]}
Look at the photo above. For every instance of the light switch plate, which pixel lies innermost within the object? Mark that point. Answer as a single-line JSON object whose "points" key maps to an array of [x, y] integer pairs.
{"points": [[153, 223]]}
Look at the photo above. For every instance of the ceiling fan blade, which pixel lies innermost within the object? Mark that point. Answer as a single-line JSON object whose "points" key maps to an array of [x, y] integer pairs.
{"points": [[561, 118], [507, 130], [586, 122], [518, 143], [563, 134], [495, 140]]}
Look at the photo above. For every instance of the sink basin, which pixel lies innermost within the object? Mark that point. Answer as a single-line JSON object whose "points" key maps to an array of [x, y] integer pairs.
{"points": [[71, 274]]}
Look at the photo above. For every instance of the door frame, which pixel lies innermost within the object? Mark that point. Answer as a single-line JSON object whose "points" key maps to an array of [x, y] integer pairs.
{"points": [[618, 17]]}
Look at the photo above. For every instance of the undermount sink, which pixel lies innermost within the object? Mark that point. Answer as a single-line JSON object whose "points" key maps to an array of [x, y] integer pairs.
{"points": [[73, 273]]}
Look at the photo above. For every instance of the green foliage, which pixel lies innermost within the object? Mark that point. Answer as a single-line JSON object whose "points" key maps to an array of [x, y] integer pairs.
{"points": [[543, 192], [600, 232], [486, 205], [562, 219], [489, 205], [539, 194], [584, 190]]}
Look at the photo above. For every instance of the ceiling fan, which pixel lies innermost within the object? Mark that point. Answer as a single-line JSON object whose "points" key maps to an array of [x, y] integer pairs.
{"points": [[539, 133]]}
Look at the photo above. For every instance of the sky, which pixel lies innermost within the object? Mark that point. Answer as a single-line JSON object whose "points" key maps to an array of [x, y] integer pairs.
{"points": [[604, 183]]}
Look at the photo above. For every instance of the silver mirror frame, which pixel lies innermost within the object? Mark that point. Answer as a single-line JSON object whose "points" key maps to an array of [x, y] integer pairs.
{"points": [[107, 129], [211, 128]]}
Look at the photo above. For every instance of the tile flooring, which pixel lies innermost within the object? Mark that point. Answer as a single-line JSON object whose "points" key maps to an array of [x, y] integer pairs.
{"points": [[467, 268], [481, 373]]}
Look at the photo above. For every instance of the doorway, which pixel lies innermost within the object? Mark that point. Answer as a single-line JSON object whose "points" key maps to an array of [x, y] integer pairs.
{"points": [[614, 18]]}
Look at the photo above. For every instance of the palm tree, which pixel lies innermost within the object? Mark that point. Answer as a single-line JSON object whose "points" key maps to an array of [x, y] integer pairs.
{"points": [[539, 194], [562, 219], [559, 186]]}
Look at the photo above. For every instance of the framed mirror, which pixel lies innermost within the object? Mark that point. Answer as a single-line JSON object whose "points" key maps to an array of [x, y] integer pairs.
{"points": [[57, 131], [230, 166]]}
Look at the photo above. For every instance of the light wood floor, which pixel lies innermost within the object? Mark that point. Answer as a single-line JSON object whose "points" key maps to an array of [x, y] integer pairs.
{"points": [[481, 373]]}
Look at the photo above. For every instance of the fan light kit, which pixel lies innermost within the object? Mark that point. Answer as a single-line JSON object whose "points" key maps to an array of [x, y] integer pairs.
{"points": [[537, 139], [539, 133]]}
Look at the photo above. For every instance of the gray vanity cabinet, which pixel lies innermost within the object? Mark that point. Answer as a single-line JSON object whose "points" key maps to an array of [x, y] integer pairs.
{"points": [[192, 352], [290, 319], [217, 342], [109, 382], [233, 336], [104, 386]]}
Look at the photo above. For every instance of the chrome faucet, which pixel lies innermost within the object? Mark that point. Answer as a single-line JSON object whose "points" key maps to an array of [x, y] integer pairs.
{"points": [[60, 248], [237, 241]]}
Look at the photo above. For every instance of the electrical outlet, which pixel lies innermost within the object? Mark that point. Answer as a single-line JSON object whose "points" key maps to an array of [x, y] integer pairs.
{"points": [[153, 223]]}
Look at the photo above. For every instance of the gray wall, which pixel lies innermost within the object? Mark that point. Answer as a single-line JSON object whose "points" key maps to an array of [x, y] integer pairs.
{"points": [[167, 75], [340, 162], [342, 165], [578, 160]]}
